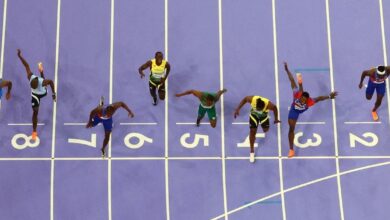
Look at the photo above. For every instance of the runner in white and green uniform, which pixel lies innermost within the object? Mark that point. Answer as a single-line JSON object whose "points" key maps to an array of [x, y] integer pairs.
{"points": [[260, 107], [207, 104]]}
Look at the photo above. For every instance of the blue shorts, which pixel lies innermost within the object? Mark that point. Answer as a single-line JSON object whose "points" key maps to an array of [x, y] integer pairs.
{"points": [[107, 123], [1, 89], [371, 87], [294, 114]]}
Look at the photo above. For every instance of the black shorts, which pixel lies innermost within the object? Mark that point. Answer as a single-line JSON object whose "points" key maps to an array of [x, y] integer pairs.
{"points": [[36, 99], [254, 121], [159, 86]]}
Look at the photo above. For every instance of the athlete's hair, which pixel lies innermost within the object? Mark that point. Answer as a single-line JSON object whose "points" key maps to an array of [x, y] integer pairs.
{"points": [[110, 108], [381, 68], [260, 104], [210, 97], [306, 94], [158, 52]]}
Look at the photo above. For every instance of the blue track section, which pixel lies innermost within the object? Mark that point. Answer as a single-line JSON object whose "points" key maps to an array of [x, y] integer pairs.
{"points": [[160, 165]]}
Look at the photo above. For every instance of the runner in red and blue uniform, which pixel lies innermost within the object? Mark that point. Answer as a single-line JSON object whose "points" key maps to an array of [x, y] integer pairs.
{"points": [[377, 82], [301, 102], [103, 114]]}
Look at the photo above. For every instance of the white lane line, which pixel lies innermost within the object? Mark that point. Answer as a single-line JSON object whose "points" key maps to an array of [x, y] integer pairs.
{"points": [[192, 123], [222, 108], [3, 38], [110, 100], [384, 54], [336, 147], [25, 159], [311, 123], [75, 124], [53, 141], [361, 122], [257, 158], [139, 123], [276, 62], [240, 123], [167, 204], [303, 185], [25, 124]]}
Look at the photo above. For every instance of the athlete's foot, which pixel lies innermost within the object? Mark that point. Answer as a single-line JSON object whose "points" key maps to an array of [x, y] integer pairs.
{"points": [[291, 153], [34, 136], [375, 116], [154, 102], [252, 157], [103, 153], [101, 101]]}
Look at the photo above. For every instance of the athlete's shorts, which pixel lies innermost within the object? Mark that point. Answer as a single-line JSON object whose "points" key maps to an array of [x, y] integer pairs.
{"points": [[294, 113], [154, 85], [107, 123], [1, 89], [36, 99], [380, 88], [211, 113], [255, 120]]}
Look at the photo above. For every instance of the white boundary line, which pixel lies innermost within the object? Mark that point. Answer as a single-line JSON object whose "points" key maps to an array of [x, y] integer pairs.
{"points": [[384, 53], [138, 123], [303, 185], [311, 123], [167, 203], [3, 38], [361, 122], [197, 158], [339, 190], [112, 16], [222, 109], [28, 124], [281, 180], [75, 124], [53, 141], [192, 123]]}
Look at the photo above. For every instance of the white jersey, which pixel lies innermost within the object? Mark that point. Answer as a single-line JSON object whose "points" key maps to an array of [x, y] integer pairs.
{"points": [[40, 90]]}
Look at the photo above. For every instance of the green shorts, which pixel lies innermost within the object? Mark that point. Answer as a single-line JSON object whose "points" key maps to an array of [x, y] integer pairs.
{"points": [[211, 113]]}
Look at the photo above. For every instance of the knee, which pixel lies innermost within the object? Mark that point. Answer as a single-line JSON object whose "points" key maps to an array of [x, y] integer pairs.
{"points": [[213, 124], [368, 97], [291, 129], [266, 129]]}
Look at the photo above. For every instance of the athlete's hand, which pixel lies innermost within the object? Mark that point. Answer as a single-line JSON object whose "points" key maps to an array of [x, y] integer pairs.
{"points": [[285, 66], [8, 95], [54, 97], [360, 85], [19, 52], [224, 90], [177, 95], [333, 95], [276, 121], [40, 67], [131, 115], [236, 113], [142, 75], [89, 125]]}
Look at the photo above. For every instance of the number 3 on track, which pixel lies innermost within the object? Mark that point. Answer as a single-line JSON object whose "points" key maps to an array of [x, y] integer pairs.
{"points": [[309, 143]]}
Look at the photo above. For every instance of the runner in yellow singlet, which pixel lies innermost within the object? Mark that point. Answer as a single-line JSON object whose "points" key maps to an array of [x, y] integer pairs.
{"points": [[260, 107], [159, 71]]}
